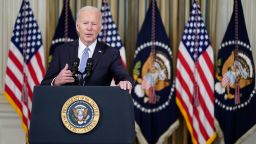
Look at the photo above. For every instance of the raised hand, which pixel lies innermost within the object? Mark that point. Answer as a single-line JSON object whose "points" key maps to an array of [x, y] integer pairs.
{"points": [[65, 76]]}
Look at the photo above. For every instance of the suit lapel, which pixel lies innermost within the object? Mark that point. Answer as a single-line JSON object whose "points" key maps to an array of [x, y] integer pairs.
{"points": [[73, 50], [98, 52]]}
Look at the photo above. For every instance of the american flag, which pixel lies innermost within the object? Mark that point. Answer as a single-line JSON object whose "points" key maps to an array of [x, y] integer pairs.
{"points": [[109, 32], [195, 79], [25, 65], [225, 80]]}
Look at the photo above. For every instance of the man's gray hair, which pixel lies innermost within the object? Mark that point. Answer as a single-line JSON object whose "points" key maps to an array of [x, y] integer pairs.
{"points": [[89, 8]]}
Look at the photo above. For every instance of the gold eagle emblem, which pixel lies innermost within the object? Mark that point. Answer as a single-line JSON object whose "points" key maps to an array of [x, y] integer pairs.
{"points": [[80, 115]]}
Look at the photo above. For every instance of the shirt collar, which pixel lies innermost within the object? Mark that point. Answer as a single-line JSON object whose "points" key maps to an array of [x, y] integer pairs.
{"points": [[82, 46]]}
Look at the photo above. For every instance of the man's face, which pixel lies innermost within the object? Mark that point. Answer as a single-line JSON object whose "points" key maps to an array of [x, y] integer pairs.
{"points": [[88, 26]]}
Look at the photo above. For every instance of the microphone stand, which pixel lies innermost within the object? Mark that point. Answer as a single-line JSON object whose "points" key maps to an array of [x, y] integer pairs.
{"points": [[86, 75], [76, 74], [87, 72], [80, 78]]}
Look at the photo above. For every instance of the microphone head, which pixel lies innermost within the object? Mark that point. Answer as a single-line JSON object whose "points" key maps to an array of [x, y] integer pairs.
{"points": [[74, 67], [89, 62], [74, 70], [76, 62], [89, 67]]}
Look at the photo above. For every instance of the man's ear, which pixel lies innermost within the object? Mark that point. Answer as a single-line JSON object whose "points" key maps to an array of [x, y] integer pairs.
{"points": [[77, 26]]}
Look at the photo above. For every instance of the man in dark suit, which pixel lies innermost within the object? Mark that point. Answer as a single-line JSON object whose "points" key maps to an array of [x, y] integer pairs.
{"points": [[106, 60]]}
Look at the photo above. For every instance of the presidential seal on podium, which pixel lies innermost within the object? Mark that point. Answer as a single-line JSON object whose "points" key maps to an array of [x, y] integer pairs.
{"points": [[80, 114]]}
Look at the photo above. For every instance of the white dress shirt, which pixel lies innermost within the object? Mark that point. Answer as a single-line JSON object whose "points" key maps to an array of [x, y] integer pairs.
{"points": [[81, 48]]}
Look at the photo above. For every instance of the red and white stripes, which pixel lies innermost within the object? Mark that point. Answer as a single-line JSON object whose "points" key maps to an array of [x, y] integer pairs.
{"points": [[20, 76], [199, 118]]}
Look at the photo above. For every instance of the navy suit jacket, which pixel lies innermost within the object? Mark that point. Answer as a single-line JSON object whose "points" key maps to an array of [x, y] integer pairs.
{"points": [[107, 64]]}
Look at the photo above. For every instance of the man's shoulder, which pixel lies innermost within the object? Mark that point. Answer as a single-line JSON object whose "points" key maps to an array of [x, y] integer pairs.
{"points": [[102, 44], [106, 47], [69, 44], [66, 47]]}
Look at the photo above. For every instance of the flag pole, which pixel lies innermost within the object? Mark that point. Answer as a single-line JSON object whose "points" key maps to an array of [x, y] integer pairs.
{"points": [[196, 88], [152, 95], [66, 21], [237, 87]]}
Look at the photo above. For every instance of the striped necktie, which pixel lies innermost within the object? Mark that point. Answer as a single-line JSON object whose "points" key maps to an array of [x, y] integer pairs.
{"points": [[84, 59]]}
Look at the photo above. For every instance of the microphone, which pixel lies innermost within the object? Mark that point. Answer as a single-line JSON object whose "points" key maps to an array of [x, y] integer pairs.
{"points": [[74, 70], [88, 69]]}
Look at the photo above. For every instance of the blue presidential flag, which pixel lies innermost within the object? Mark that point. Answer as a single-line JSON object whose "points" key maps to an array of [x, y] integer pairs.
{"points": [[235, 101], [65, 30], [153, 95]]}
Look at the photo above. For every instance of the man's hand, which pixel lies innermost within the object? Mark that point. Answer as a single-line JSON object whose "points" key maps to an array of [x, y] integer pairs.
{"points": [[125, 85], [65, 76]]}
